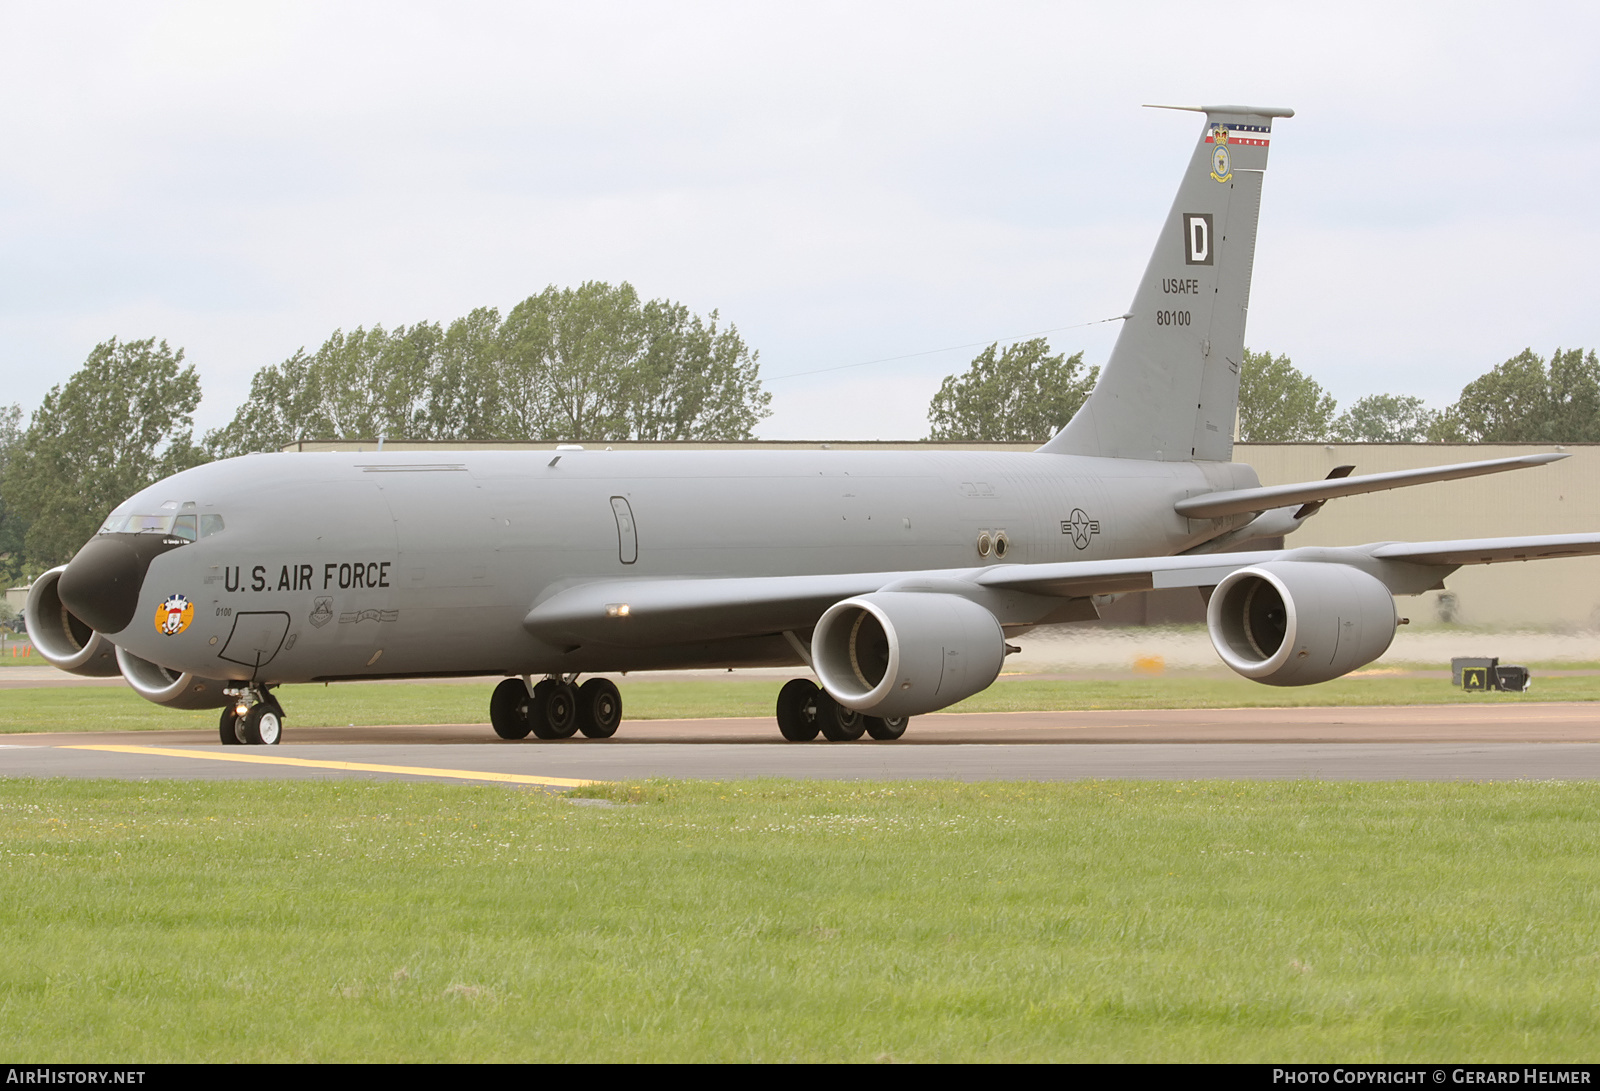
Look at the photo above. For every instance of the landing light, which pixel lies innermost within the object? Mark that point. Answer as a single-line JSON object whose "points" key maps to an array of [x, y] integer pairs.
{"points": [[616, 609]]}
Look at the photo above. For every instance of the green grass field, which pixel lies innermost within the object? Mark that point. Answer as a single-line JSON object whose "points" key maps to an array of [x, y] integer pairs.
{"points": [[778, 921], [108, 708]]}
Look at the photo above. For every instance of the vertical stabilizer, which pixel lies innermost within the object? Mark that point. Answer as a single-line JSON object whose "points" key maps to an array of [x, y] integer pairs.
{"points": [[1171, 387]]}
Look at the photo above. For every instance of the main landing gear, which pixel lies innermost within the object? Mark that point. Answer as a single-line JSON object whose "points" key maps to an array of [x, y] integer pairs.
{"points": [[805, 710], [555, 708], [252, 718]]}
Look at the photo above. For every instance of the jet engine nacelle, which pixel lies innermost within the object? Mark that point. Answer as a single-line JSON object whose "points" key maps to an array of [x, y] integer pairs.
{"points": [[1293, 623], [156, 683], [61, 637], [903, 653]]}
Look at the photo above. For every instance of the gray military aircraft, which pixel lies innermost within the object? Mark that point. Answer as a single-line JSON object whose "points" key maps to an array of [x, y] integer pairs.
{"points": [[896, 577]]}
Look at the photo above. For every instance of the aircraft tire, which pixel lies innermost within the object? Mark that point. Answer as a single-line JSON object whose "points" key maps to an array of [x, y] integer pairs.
{"points": [[554, 713], [886, 728], [797, 710], [599, 708], [509, 706], [228, 728], [261, 726], [838, 724]]}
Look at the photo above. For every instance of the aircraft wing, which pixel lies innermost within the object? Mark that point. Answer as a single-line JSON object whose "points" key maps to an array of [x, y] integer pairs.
{"points": [[647, 611], [1487, 550], [1215, 505]]}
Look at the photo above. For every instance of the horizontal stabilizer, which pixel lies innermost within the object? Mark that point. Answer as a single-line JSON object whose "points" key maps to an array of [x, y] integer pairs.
{"points": [[1215, 505]]}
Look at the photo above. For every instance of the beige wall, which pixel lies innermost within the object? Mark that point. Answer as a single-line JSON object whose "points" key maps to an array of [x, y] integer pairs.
{"points": [[1561, 498]]}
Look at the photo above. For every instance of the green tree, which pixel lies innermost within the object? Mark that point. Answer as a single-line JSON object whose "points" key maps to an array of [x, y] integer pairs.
{"points": [[1385, 418], [567, 361], [586, 363], [692, 380], [596, 363], [12, 528], [1022, 394], [408, 382], [1523, 400], [1278, 403], [125, 420]]}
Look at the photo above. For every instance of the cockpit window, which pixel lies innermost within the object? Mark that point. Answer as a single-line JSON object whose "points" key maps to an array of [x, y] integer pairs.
{"points": [[188, 527], [137, 524]]}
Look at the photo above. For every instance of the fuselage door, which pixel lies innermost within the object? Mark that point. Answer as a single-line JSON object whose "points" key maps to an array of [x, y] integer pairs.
{"points": [[627, 537], [256, 637]]}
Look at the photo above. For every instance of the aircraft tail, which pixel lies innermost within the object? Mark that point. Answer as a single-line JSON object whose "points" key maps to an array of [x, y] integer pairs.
{"points": [[1171, 387]]}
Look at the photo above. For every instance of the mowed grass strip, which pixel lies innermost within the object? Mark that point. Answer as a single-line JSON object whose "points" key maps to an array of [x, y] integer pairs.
{"points": [[116, 708], [779, 921]]}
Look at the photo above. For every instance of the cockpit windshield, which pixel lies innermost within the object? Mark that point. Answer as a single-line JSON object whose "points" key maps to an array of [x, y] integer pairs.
{"points": [[188, 526]]}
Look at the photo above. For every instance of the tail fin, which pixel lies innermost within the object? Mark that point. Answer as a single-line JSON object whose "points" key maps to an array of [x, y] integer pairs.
{"points": [[1171, 388]]}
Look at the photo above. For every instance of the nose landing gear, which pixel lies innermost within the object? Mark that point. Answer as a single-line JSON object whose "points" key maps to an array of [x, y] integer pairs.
{"points": [[253, 718]]}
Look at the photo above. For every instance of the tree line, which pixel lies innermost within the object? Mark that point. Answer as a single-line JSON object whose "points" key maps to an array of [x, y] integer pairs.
{"points": [[570, 364], [1023, 394]]}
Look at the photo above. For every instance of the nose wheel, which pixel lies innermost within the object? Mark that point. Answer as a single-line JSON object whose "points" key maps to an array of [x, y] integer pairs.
{"points": [[253, 718]]}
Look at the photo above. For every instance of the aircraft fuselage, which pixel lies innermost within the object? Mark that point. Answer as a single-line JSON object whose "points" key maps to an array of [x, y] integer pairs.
{"points": [[335, 565]]}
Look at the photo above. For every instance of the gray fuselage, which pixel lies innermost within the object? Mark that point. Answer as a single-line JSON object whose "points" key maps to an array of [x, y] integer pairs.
{"points": [[333, 566]]}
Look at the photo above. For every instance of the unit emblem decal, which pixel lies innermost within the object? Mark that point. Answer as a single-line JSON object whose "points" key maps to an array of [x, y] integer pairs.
{"points": [[173, 616], [1081, 527], [356, 617], [1221, 163], [321, 612]]}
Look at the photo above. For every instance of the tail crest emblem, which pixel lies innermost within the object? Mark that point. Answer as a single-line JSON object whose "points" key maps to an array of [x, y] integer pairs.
{"points": [[1221, 163]]}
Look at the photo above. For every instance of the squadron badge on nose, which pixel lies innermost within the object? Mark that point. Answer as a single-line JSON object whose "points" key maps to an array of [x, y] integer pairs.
{"points": [[174, 615]]}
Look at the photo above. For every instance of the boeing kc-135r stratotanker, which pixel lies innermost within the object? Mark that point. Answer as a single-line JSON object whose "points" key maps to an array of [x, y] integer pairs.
{"points": [[895, 576]]}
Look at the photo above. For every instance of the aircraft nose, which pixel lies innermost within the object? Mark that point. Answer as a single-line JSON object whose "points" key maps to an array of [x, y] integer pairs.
{"points": [[101, 584]]}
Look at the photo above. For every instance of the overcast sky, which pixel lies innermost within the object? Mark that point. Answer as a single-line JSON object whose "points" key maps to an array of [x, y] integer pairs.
{"points": [[843, 182]]}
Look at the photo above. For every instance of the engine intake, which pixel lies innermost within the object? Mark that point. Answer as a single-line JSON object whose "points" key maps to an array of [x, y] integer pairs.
{"points": [[901, 653], [166, 687], [1295, 623], [59, 635]]}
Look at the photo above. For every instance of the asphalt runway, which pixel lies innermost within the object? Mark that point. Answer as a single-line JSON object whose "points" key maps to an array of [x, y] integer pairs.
{"points": [[1429, 742]]}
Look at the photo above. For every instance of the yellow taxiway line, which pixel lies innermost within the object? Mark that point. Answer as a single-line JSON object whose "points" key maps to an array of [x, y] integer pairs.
{"points": [[346, 766]]}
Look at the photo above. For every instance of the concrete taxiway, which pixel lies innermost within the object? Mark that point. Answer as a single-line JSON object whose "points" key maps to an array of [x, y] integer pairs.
{"points": [[1432, 742]]}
